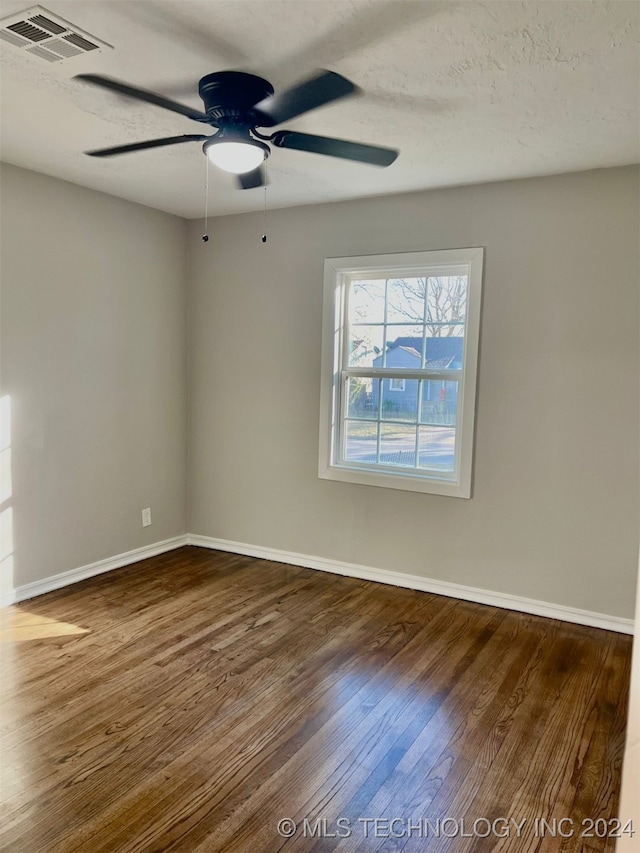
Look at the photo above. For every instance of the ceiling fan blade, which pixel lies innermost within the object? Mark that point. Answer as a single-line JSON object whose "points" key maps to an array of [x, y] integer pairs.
{"points": [[373, 154], [355, 33], [198, 33], [250, 180], [323, 88], [150, 143], [143, 95]]}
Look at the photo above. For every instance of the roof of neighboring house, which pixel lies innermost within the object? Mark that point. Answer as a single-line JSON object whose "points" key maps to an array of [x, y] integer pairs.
{"points": [[410, 350], [441, 352]]}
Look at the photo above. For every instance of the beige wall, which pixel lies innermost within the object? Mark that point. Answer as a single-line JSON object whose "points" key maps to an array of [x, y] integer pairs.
{"points": [[94, 359], [93, 356], [555, 507]]}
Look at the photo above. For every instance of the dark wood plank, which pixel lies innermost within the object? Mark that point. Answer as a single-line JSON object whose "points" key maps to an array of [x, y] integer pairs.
{"points": [[190, 702]]}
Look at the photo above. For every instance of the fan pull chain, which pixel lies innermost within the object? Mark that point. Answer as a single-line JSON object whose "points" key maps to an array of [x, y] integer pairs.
{"points": [[266, 181], [205, 236]]}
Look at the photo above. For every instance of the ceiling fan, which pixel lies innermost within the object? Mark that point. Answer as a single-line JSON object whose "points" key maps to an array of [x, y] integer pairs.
{"points": [[236, 104]]}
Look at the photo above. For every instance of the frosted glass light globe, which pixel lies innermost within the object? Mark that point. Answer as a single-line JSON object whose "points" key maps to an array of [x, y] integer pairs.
{"points": [[235, 157]]}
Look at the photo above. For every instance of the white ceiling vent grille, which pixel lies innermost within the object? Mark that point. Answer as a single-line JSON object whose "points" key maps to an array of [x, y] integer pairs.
{"points": [[41, 33]]}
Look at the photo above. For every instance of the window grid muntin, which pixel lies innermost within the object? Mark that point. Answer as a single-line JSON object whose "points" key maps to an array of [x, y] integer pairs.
{"points": [[455, 270], [346, 371], [417, 424], [416, 472]]}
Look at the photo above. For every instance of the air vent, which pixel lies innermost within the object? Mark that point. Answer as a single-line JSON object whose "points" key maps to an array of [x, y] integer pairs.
{"points": [[23, 28], [85, 44], [40, 33], [63, 48], [5, 35], [48, 24], [43, 54]]}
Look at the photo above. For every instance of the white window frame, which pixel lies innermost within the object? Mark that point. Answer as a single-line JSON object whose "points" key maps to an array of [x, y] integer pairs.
{"points": [[392, 383], [338, 272]]}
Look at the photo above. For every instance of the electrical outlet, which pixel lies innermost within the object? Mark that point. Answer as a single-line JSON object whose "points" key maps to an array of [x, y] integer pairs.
{"points": [[146, 517]]}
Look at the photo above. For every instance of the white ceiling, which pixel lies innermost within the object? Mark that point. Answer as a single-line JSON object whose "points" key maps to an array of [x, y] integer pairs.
{"points": [[468, 91]]}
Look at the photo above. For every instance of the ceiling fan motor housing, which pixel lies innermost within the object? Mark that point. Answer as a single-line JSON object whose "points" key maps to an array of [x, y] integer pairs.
{"points": [[232, 94]]}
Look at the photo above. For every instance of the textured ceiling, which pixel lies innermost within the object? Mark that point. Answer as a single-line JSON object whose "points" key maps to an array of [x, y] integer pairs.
{"points": [[468, 91]]}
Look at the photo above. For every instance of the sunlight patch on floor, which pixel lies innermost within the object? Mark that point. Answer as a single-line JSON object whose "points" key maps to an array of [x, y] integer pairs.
{"points": [[17, 626]]}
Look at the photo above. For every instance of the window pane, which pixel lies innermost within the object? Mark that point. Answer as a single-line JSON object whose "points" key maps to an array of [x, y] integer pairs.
{"points": [[404, 347], [366, 301], [399, 400], [446, 298], [397, 445], [361, 441], [365, 346], [445, 351], [362, 397], [436, 448], [439, 402], [405, 300]]}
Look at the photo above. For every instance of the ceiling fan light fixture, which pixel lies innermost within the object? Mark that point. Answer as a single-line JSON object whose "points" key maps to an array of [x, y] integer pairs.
{"points": [[237, 157]]}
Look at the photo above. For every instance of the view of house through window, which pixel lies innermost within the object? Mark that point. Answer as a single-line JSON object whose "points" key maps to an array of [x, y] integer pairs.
{"points": [[405, 324], [400, 367]]}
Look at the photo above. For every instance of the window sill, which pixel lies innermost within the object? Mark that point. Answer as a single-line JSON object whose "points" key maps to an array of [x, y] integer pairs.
{"points": [[403, 482]]}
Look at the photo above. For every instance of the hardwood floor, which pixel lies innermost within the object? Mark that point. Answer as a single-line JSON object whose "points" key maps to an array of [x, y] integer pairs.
{"points": [[192, 701]]}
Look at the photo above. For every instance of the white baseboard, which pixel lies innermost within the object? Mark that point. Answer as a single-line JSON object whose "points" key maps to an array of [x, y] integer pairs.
{"points": [[30, 590], [453, 590]]}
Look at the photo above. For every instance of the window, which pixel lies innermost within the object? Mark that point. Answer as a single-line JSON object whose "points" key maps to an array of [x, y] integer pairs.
{"points": [[400, 346]]}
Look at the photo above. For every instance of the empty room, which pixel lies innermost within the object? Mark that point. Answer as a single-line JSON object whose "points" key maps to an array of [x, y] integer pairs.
{"points": [[319, 409]]}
